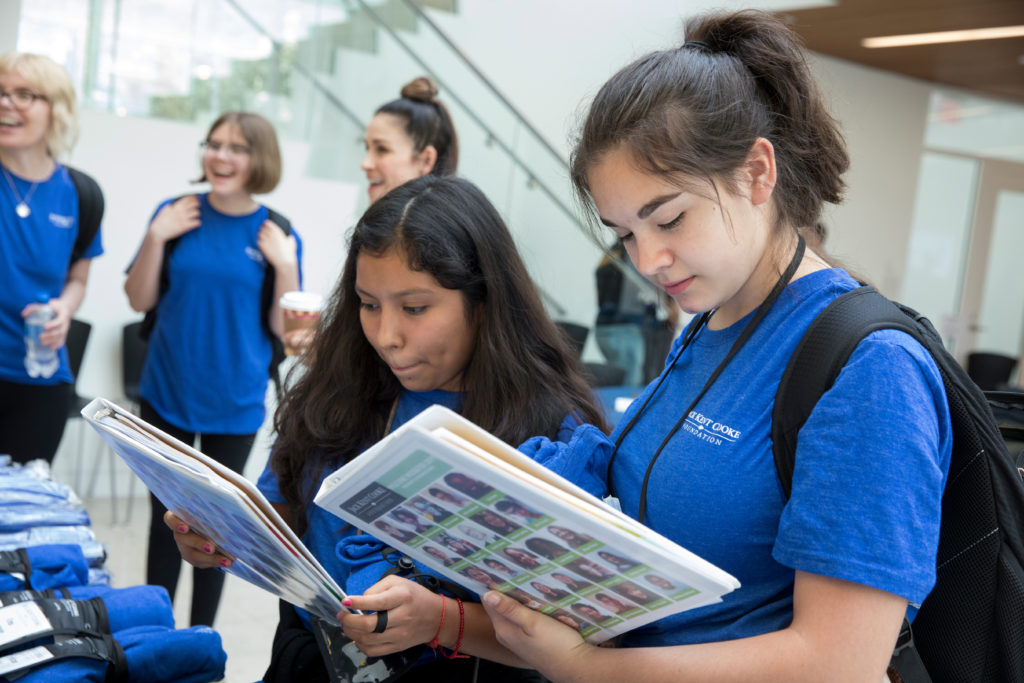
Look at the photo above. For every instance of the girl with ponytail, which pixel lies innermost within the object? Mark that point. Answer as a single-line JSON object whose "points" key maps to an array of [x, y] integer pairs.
{"points": [[710, 161]]}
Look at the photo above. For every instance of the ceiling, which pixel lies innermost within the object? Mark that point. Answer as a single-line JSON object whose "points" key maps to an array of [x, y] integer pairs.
{"points": [[992, 67]]}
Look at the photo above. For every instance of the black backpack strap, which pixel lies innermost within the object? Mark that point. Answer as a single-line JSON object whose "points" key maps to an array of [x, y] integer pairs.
{"points": [[817, 361], [267, 301], [821, 354], [90, 211]]}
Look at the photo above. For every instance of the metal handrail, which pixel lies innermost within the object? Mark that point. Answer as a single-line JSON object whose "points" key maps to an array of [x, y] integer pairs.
{"points": [[533, 180], [491, 135], [486, 81], [320, 87]]}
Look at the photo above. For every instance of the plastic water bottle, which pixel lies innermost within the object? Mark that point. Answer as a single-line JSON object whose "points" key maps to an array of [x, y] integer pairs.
{"points": [[40, 360]]}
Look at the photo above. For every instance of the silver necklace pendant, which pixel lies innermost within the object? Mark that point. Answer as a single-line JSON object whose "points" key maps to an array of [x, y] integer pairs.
{"points": [[22, 210]]}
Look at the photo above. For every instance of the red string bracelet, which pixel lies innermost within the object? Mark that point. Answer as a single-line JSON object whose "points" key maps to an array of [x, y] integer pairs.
{"points": [[436, 642], [458, 641]]}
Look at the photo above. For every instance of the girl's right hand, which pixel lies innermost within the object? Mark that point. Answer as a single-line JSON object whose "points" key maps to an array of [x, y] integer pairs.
{"points": [[176, 218], [197, 550]]}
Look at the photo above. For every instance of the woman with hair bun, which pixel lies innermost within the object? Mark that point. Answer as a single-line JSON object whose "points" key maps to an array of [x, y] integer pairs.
{"points": [[45, 247], [407, 138], [709, 161]]}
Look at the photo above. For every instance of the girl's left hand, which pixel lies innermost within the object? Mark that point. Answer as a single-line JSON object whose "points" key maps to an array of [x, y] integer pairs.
{"points": [[55, 332], [546, 644], [414, 614], [279, 249]]}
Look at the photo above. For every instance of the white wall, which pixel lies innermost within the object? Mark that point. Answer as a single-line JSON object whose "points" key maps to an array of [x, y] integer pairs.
{"points": [[883, 118]]}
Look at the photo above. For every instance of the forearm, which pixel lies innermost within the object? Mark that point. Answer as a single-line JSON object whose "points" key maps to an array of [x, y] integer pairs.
{"points": [[74, 287], [779, 656], [143, 282], [841, 631]]}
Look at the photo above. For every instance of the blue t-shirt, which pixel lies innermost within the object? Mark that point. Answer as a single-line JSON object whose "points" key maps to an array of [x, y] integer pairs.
{"points": [[871, 465], [207, 366], [35, 255]]}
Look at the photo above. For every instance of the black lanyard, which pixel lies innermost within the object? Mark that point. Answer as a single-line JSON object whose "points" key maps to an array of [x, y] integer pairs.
{"points": [[762, 311]]}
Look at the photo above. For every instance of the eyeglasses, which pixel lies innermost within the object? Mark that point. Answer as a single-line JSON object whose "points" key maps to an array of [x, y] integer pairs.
{"points": [[21, 99], [212, 147]]}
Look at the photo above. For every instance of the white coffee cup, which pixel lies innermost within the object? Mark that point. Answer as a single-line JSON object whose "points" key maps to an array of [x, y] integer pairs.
{"points": [[301, 310]]}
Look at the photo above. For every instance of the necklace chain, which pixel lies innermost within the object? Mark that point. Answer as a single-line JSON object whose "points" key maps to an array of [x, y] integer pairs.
{"points": [[22, 208]]}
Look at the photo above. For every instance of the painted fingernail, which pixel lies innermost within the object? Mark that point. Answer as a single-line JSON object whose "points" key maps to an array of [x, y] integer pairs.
{"points": [[207, 548], [182, 528], [224, 562], [347, 602]]}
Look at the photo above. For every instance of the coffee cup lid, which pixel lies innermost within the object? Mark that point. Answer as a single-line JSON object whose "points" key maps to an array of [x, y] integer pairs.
{"points": [[302, 301]]}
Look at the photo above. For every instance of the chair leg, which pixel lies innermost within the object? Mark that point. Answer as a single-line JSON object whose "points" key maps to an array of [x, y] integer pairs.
{"points": [[112, 460], [78, 457], [131, 499]]}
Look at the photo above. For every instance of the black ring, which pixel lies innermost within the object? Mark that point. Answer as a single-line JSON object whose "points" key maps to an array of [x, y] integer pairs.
{"points": [[382, 621]]}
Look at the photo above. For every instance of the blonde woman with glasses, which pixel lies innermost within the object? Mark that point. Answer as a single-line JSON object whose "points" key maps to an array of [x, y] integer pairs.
{"points": [[45, 251]]}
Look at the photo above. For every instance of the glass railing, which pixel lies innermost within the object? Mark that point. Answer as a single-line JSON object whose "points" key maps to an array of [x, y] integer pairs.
{"points": [[319, 69]]}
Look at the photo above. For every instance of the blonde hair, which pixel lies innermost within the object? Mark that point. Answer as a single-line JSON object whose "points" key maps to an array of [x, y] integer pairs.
{"points": [[52, 81], [265, 157]]}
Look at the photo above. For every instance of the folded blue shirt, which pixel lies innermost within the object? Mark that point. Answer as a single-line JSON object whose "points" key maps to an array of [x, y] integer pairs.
{"points": [[52, 566]]}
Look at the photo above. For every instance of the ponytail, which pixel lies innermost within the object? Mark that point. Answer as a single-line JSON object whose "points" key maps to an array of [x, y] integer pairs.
{"points": [[696, 111]]}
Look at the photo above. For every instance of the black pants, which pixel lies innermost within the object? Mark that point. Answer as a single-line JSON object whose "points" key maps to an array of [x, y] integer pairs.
{"points": [[163, 561], [32, 419]]}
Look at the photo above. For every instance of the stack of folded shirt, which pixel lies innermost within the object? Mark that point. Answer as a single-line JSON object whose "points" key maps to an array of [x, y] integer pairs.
{"points": [[35, 510], [98, 633]]}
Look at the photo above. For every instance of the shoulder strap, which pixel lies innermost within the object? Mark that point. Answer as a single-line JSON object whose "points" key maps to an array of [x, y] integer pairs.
{"points": [[90, 211], [817, 360], [267, 301]]}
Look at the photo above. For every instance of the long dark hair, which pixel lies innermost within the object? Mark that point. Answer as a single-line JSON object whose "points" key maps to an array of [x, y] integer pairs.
{"points": [[522, 378], [696, 110]]}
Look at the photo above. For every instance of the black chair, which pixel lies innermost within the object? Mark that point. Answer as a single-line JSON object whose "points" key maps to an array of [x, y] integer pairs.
{"points": [[133, 356], [990, 371], [575, 333], [604, 374], [77, 340]]}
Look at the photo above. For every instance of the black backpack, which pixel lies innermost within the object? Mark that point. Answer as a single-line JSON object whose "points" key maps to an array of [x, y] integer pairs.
{"points": [[266, 300], [90, 211], [971, 626]]}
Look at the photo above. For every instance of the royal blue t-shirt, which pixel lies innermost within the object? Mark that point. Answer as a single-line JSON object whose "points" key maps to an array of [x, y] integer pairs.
{"points": [[35, 255], [207, 366], [871, 465]]}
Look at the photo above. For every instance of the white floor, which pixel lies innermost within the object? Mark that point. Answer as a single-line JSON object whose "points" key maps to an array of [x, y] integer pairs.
{"points": [[247, 615]]}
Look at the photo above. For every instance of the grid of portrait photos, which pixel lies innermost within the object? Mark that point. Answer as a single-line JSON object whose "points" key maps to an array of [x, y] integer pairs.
{"points": [[491, 540]]}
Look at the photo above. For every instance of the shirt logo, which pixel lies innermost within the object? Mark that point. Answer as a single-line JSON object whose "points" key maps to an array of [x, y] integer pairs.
{"points": [[62, 221], [255, 254], [706, 429]]}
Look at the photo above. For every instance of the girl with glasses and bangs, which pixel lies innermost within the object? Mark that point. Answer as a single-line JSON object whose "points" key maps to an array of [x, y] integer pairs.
{"points": [[201, 271]]}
